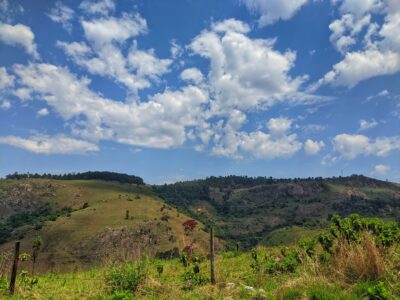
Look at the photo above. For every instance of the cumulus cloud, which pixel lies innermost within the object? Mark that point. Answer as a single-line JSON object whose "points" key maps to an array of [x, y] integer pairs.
{"points": [[277, 143], [271, 11], [160, 122], [364, 124], [102, 55], [101, 7], [359, 7], [379, 52], [381, 170], [110, 29], [209, 111], [345, 29], [5, 105], [350, 146], [43, 112], [313, 147], [246, 73], [43, 144], [361, 65], [19, 35], [6, 80], [62, 14], [192, 74]]}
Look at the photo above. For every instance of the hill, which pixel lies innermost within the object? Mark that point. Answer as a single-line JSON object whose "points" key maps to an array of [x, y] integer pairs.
{"points": [[255, 210], [87, 222]]}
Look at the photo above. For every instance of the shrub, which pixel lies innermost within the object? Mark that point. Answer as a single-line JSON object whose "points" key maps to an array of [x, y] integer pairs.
{"points": [[121, 295], [308, 245], [125, 277], [377, 292]]}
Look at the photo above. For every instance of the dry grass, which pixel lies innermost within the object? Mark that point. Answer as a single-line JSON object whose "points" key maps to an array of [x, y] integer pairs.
{"points": [[353, 263]]}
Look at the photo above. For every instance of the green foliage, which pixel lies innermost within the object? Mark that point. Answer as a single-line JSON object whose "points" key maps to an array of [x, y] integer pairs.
{"points": [[192, 276], [308, 245], [353, 227], [126, 277], [36, 218], [377, 292], [29, 282], [286, 261], [106, 176], [160, 269], [121, 295]]}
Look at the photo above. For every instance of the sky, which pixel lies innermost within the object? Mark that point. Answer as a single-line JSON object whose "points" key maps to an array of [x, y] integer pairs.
{"points": [[183, 89]]}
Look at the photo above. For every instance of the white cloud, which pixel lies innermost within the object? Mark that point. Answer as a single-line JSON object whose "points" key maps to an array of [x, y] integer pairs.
{"points": [[379, 53], [362, 65], [23, 93], [43, 144], [109, 29], [102, 7], [104, 56], [364, 124], [145, 63], [344, 31], [192, 74], [279, 126], [43, 112], [359, 7], [381, 170], [383, 93], [278, 143], [19, 35], [313, 147], [5, 104], [161, 122], [351, 146], [62, 14], [271, 11], [246, 73], [6, 80]]}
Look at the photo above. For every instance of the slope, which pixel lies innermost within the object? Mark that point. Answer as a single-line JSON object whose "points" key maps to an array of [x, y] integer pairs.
{"points": [[85, 222], [250, 210]]}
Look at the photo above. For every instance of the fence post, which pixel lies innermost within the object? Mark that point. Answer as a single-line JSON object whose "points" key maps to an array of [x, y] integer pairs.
{"points": [[14, 268], [212, 255]]}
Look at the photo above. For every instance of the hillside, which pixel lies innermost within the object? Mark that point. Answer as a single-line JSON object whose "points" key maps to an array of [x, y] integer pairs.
{"points": [[85, 222], [253, 210]]}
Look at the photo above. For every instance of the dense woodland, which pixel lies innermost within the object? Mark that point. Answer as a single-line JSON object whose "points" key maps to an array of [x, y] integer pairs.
{"points": [[107, 176]]}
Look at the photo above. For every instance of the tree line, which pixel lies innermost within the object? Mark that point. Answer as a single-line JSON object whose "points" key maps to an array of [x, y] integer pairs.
{"points": [[103, 175]]}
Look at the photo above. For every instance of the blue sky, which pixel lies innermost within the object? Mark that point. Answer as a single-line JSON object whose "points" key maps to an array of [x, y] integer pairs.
{"points": [[182, 89]]}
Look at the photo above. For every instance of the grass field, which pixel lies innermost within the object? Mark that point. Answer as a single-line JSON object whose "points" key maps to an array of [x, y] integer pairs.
{"points": [[236, 279]]}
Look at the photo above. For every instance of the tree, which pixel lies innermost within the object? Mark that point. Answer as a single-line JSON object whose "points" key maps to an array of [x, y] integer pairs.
{"points": [[36, 246]]}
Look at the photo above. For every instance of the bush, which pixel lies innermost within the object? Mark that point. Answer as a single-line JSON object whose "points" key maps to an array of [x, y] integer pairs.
{"points": [[126, 277], [377, 292], [121, 295]]}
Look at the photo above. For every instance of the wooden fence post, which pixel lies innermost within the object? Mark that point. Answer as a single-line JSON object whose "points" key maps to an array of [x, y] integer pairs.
{"points": [[14, 269], [212, 255]]}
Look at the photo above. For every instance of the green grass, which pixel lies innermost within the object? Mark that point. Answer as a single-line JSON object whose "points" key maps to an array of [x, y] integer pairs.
{"points": [[235, 280]]}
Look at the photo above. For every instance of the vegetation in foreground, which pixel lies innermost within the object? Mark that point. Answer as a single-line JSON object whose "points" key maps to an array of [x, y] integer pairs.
{"points": [[357, 258]]}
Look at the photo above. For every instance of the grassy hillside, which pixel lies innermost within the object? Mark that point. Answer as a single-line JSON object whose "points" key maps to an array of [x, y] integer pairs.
{"points": [[248, 210], [85, 222], [357, 259]]}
